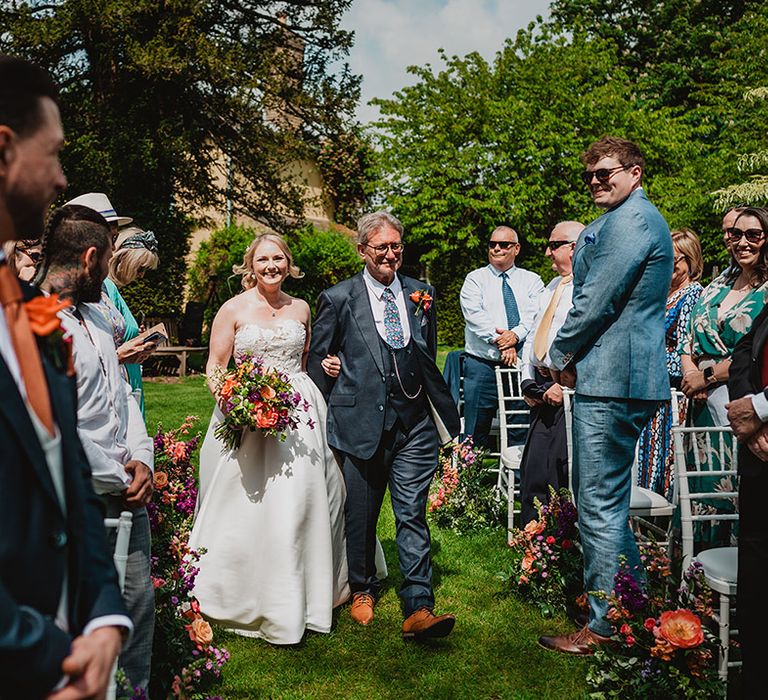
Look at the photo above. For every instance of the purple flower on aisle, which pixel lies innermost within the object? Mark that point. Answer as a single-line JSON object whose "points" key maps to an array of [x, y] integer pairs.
{"points": [[311, 423], [628, 591]]}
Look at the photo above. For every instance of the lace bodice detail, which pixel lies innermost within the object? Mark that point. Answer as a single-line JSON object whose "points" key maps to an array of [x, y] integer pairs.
{"points": [[280, 347]]}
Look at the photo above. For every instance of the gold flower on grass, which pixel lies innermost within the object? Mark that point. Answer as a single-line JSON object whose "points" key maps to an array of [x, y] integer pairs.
{"points": [[681, 628]]}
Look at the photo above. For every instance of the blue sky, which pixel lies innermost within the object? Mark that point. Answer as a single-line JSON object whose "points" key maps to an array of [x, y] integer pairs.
{"points": [[391, 35]]}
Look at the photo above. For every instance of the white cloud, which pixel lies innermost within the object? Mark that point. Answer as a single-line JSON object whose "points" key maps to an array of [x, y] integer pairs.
{"points": [[391, 35]]}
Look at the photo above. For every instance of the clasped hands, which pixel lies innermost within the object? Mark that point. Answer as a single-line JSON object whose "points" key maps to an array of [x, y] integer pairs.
{"points": [[747, 426], [507, 345]]}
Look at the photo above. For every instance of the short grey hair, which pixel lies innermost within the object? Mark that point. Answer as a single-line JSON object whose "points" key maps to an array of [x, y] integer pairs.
{"points": [[370, 223]]}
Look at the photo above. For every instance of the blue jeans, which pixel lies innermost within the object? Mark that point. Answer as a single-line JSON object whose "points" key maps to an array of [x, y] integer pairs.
{"points": [[605, 432]]}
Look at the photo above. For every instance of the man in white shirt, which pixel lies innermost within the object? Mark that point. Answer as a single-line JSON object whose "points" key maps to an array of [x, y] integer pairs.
{"points": [[545, 458], [61, 615], [499, 303], [77, 252]]}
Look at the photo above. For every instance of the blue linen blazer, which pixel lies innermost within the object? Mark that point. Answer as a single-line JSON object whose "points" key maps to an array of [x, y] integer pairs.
{"points": [[614, 334]]}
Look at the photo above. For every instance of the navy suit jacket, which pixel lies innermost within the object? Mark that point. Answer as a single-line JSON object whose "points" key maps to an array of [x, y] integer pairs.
{"points": [[38, 540], [344, 326], [622, 267]]}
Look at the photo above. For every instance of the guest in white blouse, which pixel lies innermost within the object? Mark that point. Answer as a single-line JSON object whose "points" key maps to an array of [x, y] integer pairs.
{"points": [[545, 458], [77, 251], [499, 303]]}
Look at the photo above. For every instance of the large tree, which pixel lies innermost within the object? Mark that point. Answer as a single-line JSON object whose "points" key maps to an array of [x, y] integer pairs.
{"points": [[155, 92]]}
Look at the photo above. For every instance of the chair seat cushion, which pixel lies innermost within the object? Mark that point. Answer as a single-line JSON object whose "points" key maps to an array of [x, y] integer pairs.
{"points": [[720, 563], [512, 456], [646, 500]]}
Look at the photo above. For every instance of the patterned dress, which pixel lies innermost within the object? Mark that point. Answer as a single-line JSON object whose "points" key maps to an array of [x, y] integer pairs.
{"points": [[655, 454]]}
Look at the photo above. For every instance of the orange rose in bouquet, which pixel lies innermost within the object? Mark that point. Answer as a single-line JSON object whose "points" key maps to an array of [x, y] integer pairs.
{"points": [[200, 632], [681, 628], [160, 481]]}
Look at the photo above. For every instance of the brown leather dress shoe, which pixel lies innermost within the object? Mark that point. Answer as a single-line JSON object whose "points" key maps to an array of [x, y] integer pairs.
{"points": [[362, 608], [582, 642], [424, 624]]}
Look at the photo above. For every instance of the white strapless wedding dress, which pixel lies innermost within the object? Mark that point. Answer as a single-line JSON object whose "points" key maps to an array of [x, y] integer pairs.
{"points": [[271, 514]]}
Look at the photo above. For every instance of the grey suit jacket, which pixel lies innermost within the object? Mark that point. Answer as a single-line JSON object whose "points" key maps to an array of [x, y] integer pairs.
{"points": [[622, 267], [344, 326]]}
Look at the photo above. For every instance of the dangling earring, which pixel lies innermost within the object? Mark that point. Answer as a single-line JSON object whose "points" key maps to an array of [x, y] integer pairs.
{"points": [[253, 275]]}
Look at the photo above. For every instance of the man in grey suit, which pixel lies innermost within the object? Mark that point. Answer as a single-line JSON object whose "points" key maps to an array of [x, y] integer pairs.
{"points": [[388, 410], [611, 348]]}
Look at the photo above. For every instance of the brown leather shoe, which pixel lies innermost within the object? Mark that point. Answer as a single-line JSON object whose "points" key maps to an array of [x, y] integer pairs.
{"points": [[362, 608], [582, 642], [424, 624]]}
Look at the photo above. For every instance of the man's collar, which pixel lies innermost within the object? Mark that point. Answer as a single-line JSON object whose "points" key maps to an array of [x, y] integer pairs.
{"points": [[377, 287], [499, 273]]}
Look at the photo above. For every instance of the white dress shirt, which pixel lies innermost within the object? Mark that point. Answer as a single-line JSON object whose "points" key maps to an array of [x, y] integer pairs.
{"points": [[482, 304], [375, 292], [529, 360], [109, 421]]}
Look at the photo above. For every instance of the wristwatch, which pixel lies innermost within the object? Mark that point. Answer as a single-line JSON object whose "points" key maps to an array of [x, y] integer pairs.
{"points": [[709, 375]]}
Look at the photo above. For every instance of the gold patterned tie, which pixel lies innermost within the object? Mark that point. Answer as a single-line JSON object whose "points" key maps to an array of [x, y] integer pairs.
{"points": [[27, 353], [540, 340]]}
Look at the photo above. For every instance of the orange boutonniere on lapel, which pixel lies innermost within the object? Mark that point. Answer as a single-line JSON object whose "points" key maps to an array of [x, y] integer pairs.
{"points": [[45, 323], [422, 299]]}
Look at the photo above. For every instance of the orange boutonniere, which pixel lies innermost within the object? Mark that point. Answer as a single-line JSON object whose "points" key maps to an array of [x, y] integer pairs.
{"points": [[422, 299], [45, 323]]}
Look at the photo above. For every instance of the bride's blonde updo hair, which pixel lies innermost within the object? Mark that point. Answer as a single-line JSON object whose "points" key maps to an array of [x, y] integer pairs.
{"points": [[246, 269]]}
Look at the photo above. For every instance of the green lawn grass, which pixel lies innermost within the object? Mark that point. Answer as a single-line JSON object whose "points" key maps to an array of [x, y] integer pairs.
{"points": [[492, 653]]}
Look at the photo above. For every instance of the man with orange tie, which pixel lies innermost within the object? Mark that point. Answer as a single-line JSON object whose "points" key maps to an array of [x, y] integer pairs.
{"points": [[62, 619], [545, 457]]}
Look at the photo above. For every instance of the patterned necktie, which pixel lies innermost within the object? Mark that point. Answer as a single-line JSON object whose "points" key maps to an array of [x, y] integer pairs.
{"points": [[392, 326], [510, 303], [25, 347], [540, 344]]}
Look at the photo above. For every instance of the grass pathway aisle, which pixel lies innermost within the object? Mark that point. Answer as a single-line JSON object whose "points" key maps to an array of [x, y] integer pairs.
{"points": [[492, 653]]}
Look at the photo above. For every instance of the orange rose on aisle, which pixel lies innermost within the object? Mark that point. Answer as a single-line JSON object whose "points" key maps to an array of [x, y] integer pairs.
{"points": [[160, 481], [200, 632], [681, 628]]}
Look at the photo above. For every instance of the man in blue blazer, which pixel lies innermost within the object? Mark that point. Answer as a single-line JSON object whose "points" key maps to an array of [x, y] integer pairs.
{"points": [[61, 614], [611, 349], [388, 410]]}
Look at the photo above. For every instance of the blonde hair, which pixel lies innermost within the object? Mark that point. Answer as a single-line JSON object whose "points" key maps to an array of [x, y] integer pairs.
{"points": [[126, 263], [687, 243], [246, 269]]}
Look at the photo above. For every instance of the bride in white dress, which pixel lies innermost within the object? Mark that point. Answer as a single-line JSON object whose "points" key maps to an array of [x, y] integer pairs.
{"points": [[270, 514]]}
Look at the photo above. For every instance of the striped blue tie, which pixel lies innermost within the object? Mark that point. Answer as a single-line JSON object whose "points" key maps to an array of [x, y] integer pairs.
{"points": [[510, 303], [392, 326]]}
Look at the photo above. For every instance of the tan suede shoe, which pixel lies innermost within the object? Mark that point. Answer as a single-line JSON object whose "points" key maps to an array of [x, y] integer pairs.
{"points": [[581, 643], [424, 624], [362, 608]]}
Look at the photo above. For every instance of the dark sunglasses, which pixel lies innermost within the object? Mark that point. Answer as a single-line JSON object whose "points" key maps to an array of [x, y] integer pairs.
{"points": [[602, 174], [554, 245], [753, 235], [31, 248], [504, 245]]}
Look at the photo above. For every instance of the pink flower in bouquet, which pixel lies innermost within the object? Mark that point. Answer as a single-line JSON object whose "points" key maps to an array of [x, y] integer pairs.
{"points": [[629, 640], [528, 560], [157, 582], [535, 527], [649, 624], [681, 628], [267, 392], [160, 481], [625, 629], [179, 451], [200, 632], [550, 540]]}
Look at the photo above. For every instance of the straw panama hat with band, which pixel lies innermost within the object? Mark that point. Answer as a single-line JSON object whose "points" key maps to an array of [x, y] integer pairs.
{"points": [[99, 202]]}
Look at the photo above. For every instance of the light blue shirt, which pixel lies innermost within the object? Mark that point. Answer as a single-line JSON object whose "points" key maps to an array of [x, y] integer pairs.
{"points": [[482, 304]]}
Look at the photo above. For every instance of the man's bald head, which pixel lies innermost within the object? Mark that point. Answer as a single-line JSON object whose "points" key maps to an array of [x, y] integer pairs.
{"points": [[567, 231]]}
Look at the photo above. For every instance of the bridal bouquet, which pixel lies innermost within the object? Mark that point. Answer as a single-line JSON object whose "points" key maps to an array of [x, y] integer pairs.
{"points": [[256, 397]]}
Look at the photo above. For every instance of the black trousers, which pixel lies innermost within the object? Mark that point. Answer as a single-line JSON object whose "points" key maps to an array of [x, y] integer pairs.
{"points": [[751, 608], [406, 462]]}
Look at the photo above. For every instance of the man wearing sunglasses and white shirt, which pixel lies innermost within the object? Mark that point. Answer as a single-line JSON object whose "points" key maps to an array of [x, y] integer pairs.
{"points": [[499, 303], [611, 349]]}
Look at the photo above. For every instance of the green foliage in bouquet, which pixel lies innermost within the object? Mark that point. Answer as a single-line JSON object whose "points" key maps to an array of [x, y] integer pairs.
{"points": [[662, 647], [185, 664], [547, 564], [462, 496]]}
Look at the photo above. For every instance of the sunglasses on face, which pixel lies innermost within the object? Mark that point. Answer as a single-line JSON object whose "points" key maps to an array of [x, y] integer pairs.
{"points": [[753, 235], [32, 249], [603, 175], [504, 245], [554, 245]]}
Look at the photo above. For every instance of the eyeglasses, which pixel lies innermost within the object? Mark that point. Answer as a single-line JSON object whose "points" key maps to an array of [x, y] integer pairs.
{"points": [[32, 248], [382, 249], [602, 174], [554, 245], [753, 235], [504, 245], [679, 258]]}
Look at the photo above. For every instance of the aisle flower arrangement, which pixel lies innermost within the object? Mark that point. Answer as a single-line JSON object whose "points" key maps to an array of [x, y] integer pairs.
{"points": [[662, 647], [185, 662], [255, 397], [463, 496], [546, 561]]}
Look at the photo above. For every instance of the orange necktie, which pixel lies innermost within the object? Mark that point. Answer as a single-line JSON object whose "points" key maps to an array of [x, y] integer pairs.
{"points": [[540, 340], [24, 344]]}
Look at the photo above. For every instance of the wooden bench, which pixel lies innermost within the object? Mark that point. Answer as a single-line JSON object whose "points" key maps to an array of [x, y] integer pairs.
{"points": [[181, 352]]}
